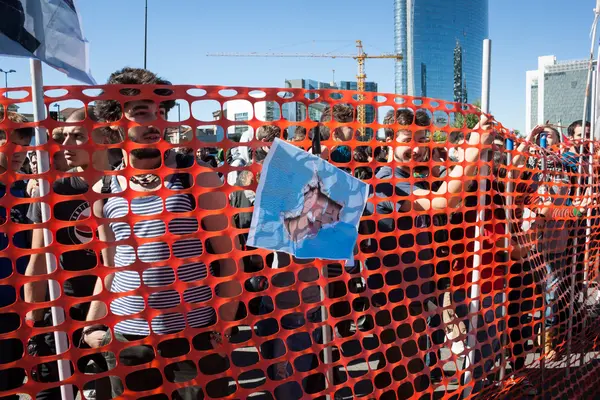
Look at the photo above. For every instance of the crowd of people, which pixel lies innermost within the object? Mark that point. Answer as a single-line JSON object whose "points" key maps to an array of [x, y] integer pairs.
{"points": [[419, 225]]}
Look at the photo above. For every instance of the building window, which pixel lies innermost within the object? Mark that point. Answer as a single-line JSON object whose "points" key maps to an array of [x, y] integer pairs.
{"points": [[241, 116]]}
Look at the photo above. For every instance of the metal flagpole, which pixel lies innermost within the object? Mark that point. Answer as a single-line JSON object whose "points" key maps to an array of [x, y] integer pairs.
{"points": [[595, 135], [510, 146], [327, 351], [580, 175], [543, 145], [145, 33], [58, 316], [475, 290], [41, 135], [590, 184], [594, 126]]}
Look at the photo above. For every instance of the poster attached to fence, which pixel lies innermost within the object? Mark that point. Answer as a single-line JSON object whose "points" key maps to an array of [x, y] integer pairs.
{"points": [[305, 206]]}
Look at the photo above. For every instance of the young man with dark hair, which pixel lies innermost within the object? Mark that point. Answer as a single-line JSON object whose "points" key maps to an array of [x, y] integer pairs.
{"points": [[133, 329], [139, 110], [408, 150], [144, 113], [299, 134], [265, 133], [70, 210], [418, 193], [406, 116], [552, 193], [32, 184], [576, 132], [12, 349], [341, 113]]}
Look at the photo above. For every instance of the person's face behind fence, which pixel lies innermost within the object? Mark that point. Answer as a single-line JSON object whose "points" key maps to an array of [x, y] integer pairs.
{"points": [[59, 161], [17, 158], [499, 157], [578, 133], [33, 163], [412, 150], [73, 137], [145, 160], [144, 112], [343, 134], [551, 138]]}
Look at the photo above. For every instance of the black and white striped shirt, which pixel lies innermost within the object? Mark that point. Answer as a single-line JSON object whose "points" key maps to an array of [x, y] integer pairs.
{"points": [[168, 263]]}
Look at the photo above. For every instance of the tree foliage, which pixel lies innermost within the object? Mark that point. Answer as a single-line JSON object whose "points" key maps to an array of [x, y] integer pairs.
{"points": [[439, 136], [471, 119]]}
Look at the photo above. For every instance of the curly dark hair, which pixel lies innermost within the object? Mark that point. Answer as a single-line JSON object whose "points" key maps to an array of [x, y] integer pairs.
{"points": [[575, 125], [341, 113], [267, 133], [381, 153], [18, 119], [362, 153], [299, 133], [110, 110], [405, 116], [363, 173], [260, 154]]}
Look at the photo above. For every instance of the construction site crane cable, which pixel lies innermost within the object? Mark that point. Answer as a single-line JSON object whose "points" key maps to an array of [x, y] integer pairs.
{"points": [[360, 58]]}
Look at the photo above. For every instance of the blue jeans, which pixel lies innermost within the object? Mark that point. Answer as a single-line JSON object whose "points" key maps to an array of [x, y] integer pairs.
{"points": [[552, 284], [276, 347]]}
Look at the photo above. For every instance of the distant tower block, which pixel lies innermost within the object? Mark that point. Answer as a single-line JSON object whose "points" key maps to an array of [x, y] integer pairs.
{"points": [[425, 32]]}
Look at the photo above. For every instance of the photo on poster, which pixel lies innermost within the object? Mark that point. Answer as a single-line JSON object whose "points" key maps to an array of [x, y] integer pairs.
{"points": [[305, 206]]}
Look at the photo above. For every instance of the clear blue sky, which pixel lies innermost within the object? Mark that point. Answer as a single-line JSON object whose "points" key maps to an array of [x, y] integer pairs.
{"points": [[181, 32]]}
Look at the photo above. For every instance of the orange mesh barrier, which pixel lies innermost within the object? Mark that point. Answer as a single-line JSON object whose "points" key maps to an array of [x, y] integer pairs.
{"points": [[488, 290]]}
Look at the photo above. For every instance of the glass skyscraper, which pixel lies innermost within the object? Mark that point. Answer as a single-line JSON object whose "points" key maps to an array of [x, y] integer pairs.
{"points": [[428, 34]]}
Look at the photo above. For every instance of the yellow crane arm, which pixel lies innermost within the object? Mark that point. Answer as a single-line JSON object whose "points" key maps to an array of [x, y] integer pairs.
{"points": [[360, 58], [299, 55]]}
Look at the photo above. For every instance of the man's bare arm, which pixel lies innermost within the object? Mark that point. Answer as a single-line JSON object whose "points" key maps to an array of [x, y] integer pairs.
{"points": [[519, 158], [105, 234], [471, 156], [219, 244], [35, 292]]}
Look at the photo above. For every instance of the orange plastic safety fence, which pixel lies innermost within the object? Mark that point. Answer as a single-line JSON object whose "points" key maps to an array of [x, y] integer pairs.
{"points": [[475, 272]]}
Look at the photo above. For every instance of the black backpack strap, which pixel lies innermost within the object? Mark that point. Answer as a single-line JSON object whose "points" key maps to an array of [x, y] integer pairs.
{"points": [[106, 184]]}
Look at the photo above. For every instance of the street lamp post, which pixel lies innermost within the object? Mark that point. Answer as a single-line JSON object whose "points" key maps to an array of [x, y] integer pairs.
{"points": [[179, 119], [10, 71], [145, 33], [58, 112]]}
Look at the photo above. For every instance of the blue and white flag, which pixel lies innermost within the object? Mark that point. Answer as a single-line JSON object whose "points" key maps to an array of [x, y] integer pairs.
{"points": [[306, 206], [49, 30]]}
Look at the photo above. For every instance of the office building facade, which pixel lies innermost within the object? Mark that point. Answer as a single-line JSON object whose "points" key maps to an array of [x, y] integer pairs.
{"points": [[555, 92], [295, 111], [427, 32], [242, 111], [298, 112]]}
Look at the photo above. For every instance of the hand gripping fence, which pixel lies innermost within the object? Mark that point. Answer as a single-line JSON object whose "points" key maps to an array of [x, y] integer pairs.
{"points": [[189, 311]]}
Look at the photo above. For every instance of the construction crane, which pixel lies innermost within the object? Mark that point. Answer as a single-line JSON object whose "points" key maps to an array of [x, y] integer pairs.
{"points": [[360, 57]]}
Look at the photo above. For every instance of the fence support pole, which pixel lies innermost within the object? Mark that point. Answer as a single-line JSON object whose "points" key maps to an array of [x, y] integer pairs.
{"points": [[543, 145], [595, 135], [474, 292], [579, 191], [327, 351], [590, 181], [58, 315], [510, 146]]}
